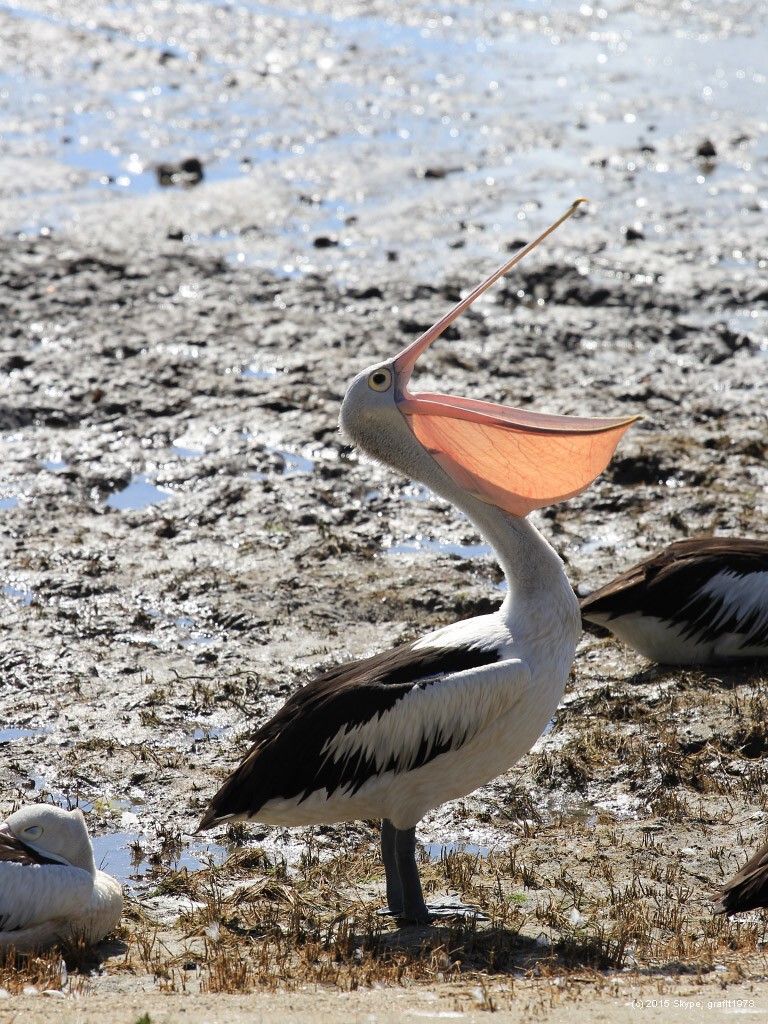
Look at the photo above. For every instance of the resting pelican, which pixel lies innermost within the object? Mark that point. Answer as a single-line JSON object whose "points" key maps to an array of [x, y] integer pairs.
{"points": [[395, 735], [698, 601], [50, 888]]}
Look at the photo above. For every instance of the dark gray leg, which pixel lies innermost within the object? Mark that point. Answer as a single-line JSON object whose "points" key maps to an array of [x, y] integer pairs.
{"points": [[405, 898], [414, 907], [394, 888]]}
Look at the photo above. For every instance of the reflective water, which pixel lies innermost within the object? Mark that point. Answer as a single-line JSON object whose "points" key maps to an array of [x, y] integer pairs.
{"points": [[192, 631], [259, 373], [186, 453], [204, 734], [9, 735], [436, 851], [628, 86], [429, 545], [140, 493], [123, 855], [293, 463]]}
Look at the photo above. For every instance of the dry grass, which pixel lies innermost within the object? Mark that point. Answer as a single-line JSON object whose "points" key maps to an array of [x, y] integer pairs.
{"points": [[64, 969], [623, 905]]}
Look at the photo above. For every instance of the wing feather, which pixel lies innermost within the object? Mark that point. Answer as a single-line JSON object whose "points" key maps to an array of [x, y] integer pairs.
{"points": [[436, 716], [748, 888], [31, 894], [334, 733], [682, 567]]}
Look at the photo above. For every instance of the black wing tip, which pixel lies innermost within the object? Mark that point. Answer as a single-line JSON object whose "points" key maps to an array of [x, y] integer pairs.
{"points": [[740, 898], [721, 906], [226, 807], [208, 820], [731, 903], [216, 815]]}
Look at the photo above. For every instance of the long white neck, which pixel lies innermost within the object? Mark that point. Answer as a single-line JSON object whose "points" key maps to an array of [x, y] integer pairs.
{"points": [[530, 565]]}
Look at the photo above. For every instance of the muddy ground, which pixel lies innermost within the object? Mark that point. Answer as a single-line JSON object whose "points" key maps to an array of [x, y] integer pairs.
{"points": [[186, 538]]}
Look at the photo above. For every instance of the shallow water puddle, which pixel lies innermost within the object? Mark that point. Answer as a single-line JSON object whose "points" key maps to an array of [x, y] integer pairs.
{"points": [[293, 464], [437, 851], [186, 453], [429, 546], [204, 734], [607, 539], [116, 854], [140, 493], [416, 491], [9, 735], [21, 596], [194, 633], [121, 854], [259, 373], [549, 727]]}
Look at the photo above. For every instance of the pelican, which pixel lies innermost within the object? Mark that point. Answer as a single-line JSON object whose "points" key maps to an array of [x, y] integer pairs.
{"points": [[395, 735], [748, 889], [50, 888], [698, 601]]}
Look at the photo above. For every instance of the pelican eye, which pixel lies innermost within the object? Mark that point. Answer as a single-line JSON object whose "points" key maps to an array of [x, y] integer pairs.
{"points": [[33, 831], [380, 380]]}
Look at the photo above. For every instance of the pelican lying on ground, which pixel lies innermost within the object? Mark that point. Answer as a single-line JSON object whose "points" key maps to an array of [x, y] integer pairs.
{"points": [[698, 601], [395, 735], [50, 888], [748, 889]]}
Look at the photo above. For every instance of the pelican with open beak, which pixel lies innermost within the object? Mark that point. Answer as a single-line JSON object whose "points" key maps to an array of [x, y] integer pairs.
{"points": [[397, 734]]}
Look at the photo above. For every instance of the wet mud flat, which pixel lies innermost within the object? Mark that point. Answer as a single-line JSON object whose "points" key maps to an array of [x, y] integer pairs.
{"points": [[185, 538]]}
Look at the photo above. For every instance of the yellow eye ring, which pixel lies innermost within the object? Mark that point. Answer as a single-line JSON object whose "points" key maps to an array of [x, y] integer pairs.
{"points": [[380, 380]]}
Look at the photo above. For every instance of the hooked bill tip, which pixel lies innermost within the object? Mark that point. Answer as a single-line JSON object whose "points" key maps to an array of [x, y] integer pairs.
{"points": [[404, 362]]}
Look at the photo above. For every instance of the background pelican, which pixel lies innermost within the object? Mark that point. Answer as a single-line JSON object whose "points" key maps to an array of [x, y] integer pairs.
{"points": [[698, 601], [748, 889], [50, 887]]}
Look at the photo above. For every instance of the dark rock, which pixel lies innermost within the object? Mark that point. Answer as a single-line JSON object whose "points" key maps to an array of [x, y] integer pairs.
{"points": [[187, 173], [706, 150]]}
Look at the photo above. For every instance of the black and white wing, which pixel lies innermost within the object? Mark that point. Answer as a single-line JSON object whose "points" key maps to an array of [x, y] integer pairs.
{"points": [[712, 591], [393, 712]]}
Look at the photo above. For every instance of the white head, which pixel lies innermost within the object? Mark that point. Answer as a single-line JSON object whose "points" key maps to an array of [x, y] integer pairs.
{"points": [[55, 833]]}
